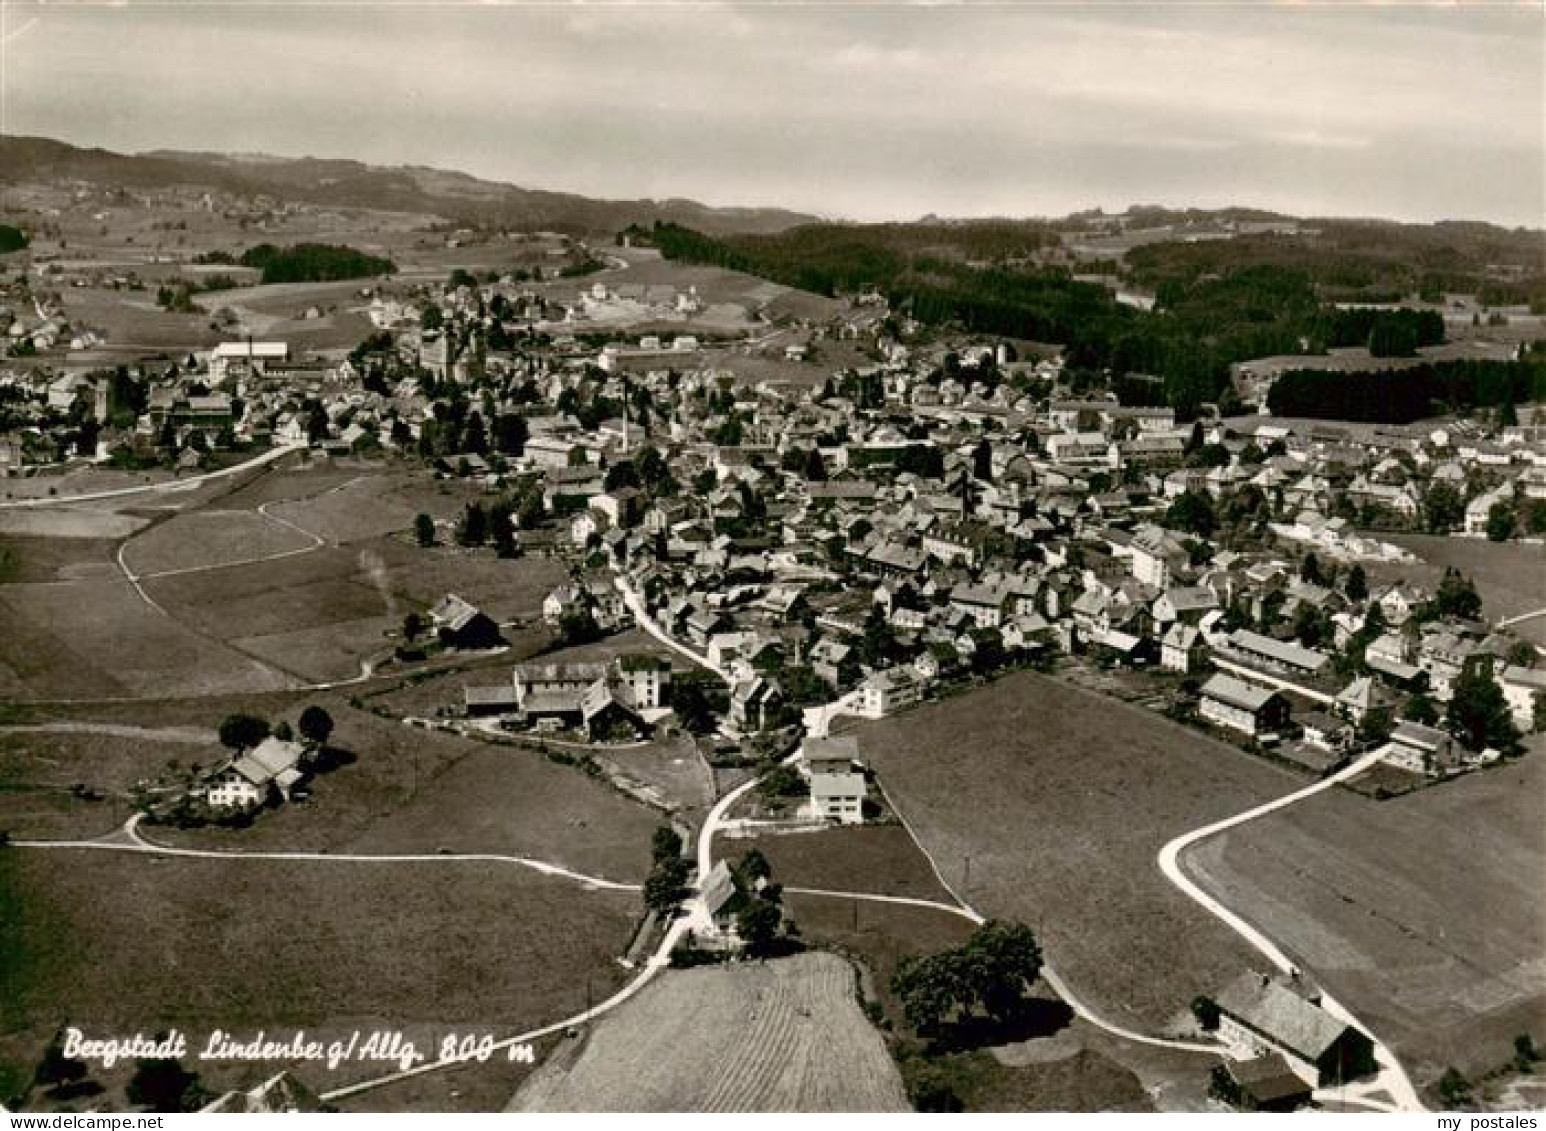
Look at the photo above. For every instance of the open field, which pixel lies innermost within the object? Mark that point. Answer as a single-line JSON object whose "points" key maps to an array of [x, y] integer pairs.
{"points": [[371, 505], [317, 614], [453, 947], [209, 538], [31, 558], [876, 936], [38, 769], [1422, 914], [414, 791], [785, 1035], [297, 477], [1510, 576], [132, 318], [1056, 801], [1076, 1068], [79, 479], [874, 859], [668, 771], [77, 522], [94, 639]]}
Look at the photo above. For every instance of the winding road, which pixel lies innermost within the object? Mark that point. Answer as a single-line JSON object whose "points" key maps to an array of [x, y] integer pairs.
{"points": [[186, 484], [1392, 1078]]}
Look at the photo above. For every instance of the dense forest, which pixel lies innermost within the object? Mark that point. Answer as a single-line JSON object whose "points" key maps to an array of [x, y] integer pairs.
{"points": [[973, 275], [1404, 395], [307, 262], [11, 239], [1368, 261]]}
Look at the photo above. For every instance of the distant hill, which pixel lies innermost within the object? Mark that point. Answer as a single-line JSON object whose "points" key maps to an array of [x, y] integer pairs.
{"points": [[352, 184]]}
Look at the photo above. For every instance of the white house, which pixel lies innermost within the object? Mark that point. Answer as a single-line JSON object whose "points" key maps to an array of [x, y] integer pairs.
{"points": [[887, 692], [1522, 688], [246, 778]]}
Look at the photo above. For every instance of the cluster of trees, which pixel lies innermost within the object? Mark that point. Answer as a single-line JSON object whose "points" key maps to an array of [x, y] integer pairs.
{"points": [[1363, 260], [1404, 395], [1387, 333], [987, 978], [1202, 321], [313, 263], [157, 1084], [666, 886], [759, 918]]}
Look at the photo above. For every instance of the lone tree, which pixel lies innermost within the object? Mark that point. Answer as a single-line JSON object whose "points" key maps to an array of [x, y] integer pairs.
{"points": [[315, 725], [1206, 1010], [239, 731], [424, 529], [57, 1071], [1357, 585], [164, 1085], [1479, 714], [988, 974]]}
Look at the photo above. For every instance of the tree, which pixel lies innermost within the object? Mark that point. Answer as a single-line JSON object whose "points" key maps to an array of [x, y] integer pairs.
{"points": [[501, 520], [757, 923], [240, 732], [57, 1071], [1420, 709], [666, 844], [1310, 570], [1525, 1053], [691, 705], [1456, 596], [666, 886], [315, 725], [1206, 1010], [982, 461], [164, 1085], [1454, 1088], [1357, 585], [1500, 521], [473, 528], [1479, 714], [815, 466], [424, 529], [754, 866], [1192, 512], [579, 627], [1443, 508]]}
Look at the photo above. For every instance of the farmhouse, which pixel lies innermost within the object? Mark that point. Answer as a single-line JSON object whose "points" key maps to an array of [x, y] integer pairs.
{"points": [[1262, 1015], [647, 680], [461, 625], [1267, 1083], [1182, 649], [1421, 749], [1233, 703], [247, 778]]}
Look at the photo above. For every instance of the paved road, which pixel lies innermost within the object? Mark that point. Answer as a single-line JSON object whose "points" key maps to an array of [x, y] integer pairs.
{"points": [[184, 484], [1392, 1078]]}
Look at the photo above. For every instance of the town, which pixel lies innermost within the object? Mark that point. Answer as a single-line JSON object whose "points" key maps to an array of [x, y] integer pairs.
{"points": [[740, 570]]}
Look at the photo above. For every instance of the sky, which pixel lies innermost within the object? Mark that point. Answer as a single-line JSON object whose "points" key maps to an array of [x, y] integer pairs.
{"points": [[862, 110]]}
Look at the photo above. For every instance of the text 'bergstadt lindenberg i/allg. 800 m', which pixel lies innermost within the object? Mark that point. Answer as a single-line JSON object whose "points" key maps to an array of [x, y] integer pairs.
{"points": [[388, 1046]]}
